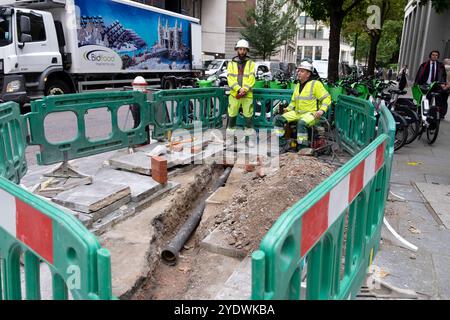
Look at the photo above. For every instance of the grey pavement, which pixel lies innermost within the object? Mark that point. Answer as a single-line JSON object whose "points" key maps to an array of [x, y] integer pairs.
{"points": [[417, 210]]}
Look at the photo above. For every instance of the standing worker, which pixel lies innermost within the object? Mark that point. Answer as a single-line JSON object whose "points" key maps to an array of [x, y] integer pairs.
{"points": [[309, 102], [241, 79]]}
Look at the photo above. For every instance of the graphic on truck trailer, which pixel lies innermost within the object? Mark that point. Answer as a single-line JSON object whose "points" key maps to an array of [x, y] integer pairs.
{"points": [[115, 34]]}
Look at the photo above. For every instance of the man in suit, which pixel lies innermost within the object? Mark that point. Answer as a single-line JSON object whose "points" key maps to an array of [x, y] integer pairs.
{"points": [[431, 71]]}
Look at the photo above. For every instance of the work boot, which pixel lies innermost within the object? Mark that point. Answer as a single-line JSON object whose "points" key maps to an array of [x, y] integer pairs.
{"points": [[230, 137], [283, 145], [250, 137]]}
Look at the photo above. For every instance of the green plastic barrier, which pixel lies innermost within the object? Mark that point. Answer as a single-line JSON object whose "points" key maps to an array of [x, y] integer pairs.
{"points": [[13, 165], [275, 85], [349, 204], [260, 84], [42, 232], [263, 102], [355, 123], [205, 83], [179, 109], [79, 104]]}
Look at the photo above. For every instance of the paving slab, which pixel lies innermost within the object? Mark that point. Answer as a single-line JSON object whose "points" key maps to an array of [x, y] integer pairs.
{"points": [[137, 162], [406, 192], [239, 284], [438, 196], [93, 197], [441, 264], [140, 162], [107, 222], [141, 186], [216, 242], [442, 179], [416, 274]]}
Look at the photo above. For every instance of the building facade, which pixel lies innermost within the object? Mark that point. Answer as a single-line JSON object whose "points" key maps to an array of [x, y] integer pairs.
{"points": [[313, 42], [423, 31]]}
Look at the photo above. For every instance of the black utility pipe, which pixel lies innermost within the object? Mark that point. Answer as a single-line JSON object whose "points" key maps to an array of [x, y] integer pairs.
{"points": [[170, 253]]}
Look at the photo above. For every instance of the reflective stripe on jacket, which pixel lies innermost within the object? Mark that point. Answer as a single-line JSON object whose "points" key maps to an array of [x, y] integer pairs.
{"points": [[248, 80], [313, 97]]}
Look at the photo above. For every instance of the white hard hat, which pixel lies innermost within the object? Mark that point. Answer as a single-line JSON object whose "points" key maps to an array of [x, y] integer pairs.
{"points": [[139, 83], [306, 65], [242, 44]]}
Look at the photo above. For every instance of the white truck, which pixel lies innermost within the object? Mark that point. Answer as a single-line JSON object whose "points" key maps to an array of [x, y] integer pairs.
{"points": [[66, 46]]}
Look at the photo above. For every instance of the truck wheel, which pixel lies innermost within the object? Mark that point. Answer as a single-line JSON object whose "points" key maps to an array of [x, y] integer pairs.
{"points": [[169, 84], [56, 87]]}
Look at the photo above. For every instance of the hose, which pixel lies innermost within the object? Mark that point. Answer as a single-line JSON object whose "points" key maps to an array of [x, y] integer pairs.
{"points": [[170, 253]]}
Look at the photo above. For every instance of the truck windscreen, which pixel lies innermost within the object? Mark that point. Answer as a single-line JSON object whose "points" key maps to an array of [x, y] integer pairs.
{"points": [[5, 30]]}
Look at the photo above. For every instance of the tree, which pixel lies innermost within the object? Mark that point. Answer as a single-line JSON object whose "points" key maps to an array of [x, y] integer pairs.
{"points": [[383, 48], [268, 26], [334, 11]]}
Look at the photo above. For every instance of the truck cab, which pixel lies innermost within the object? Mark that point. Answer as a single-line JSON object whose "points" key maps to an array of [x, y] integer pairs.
{"points": [[29, 52]]}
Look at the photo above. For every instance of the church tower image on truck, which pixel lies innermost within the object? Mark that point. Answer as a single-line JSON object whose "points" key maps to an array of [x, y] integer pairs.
{"points": [[170, 38]]}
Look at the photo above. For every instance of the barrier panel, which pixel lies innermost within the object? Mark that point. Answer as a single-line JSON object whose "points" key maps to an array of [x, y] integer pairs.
{"points": [[42, 232], [355, 123], [13, 164], [336, 229], [179, 109], [263, 102], [79, 105]]}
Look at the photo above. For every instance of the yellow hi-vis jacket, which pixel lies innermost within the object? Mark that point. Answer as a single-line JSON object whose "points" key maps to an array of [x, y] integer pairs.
{"points": [[313, 97], [248, 80]]}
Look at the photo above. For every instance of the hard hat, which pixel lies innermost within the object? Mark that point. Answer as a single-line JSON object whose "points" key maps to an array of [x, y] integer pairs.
{"points": [[306, 65], [139, 84], [242, 44]]}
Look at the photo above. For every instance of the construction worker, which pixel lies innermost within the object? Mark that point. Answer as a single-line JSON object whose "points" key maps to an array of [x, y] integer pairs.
{"points": [[309, 102], [241, 79]]}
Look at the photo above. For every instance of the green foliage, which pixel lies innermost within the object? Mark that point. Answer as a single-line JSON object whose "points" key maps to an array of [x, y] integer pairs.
{"points": [[268, 26]]}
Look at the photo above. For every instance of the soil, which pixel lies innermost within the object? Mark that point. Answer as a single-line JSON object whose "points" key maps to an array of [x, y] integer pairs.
{"points": [[259, 202], [245, 219]]}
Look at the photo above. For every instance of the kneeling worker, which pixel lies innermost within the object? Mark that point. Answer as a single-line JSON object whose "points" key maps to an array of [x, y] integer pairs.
{"points": [[309, 102]]}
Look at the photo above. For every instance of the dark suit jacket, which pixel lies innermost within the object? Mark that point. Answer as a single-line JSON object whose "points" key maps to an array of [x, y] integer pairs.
{"points": [[424, 71]]}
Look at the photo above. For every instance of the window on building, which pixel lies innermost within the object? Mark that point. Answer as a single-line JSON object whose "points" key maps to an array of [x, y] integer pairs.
{"points": [[308, 52], [299, 52], [319, 33], [318, 53]]}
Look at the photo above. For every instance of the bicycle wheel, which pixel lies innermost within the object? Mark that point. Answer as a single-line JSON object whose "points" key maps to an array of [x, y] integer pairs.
{"points": [[412, 119], [433, 133], [401, 131]]}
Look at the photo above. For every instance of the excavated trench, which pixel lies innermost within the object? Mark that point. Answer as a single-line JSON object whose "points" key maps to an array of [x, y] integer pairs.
{"points": [[187, 199], [251, 207]]}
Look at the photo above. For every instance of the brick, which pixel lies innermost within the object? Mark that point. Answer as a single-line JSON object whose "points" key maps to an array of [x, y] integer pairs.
{"points": [[249, 167], [159, 169], [177, 148], [196, 149], [260, 172]]}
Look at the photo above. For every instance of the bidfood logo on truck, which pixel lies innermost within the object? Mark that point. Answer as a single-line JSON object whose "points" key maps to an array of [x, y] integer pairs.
{"points": [[101, 58]]}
